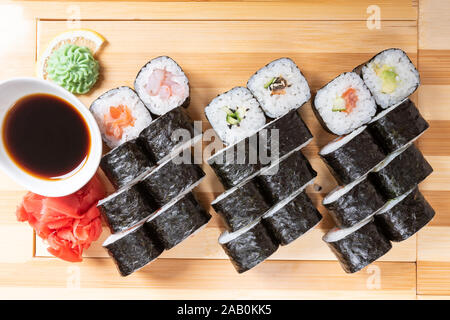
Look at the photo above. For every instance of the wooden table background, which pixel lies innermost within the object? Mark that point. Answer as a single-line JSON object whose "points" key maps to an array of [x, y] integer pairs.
{"points": [[220, 44]]}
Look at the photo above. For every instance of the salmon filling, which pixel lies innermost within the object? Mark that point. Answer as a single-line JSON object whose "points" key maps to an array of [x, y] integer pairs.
{"points": [[117, 120]]}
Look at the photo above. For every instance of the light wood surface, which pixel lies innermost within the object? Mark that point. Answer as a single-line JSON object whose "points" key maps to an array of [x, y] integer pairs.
{"points": [[219, 45]]}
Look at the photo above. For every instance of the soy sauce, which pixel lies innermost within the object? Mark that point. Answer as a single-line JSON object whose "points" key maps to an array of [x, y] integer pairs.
{"points": [[46, 136]]}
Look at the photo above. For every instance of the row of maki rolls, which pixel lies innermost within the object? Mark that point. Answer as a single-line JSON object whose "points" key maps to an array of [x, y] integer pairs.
{"points": [[150, 165], [261, 166], [374, 159]]}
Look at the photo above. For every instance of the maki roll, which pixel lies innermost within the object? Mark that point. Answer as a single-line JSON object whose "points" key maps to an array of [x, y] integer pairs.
{"points": [[120, 115], [288, 222], [397, 126], [177, 221], [249, 246], [240, 205], [162, 85], [125, 163], [170, 179], [353, 203], [358, 246], [390, 76], [169, 134], [235, 115], [125, 208], [352, 156], [283, 178], [133, 249], [344, 104], [404, 216], [289, 131], [400, 172], [236, 163], [279, 87]]}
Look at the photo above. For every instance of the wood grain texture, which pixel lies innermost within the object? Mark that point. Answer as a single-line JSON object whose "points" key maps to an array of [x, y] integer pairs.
{"points": [[302, 279], [218, 53], [433, 242]]}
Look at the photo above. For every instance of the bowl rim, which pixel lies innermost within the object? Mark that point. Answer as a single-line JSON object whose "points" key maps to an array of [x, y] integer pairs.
{"points": [[44, 187]]}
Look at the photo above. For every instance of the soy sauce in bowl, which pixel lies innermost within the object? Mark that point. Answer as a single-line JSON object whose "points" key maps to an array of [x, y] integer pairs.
{"points": [[46, 136]]}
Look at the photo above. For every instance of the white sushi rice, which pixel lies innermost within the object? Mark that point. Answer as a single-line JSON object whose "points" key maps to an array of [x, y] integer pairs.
{"points": [[241, 97], [408, 78], [340, 141], [227, 236], [113, 98], [155, 104], [297, 93], [339, 191], [340, 122], [393, 202], [337, 234]]}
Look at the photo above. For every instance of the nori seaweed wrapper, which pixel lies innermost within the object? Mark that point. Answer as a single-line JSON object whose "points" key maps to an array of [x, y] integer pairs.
{"points": [[354, 159], [241, 207], [233, 166], [360, 248], [134, 250], [179, 221], [170, 179], [399, 126], [408, 169], [292, 174], [125, 163], [127, 208], [159, 138], [292, 133], [358, 203], [406, 217], [250, 248], [293, 220]]}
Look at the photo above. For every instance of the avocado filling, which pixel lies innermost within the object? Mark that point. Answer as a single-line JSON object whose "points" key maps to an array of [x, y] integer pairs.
{"points": [[234, 117], [277, 85], [346, 102], [338, 104], [389, 78]]}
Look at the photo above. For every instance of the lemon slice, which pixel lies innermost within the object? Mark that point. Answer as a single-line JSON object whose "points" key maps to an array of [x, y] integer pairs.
{"points": [[79, 37]]}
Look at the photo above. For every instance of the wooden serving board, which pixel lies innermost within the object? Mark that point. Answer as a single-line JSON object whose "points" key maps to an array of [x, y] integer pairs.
{"points": [[220, 45]]}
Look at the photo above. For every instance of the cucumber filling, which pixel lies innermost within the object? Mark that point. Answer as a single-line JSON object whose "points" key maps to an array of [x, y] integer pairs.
{"points": [[234, 117]]}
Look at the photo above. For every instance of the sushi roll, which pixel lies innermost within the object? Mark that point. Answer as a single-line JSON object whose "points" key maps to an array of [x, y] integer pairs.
{"points": [[404, 216], [390, 76], [120, 115], [235, 115], [236, 163], [133, 249], [125, 208], [162, 85], [177, 221], [353, 203], [344, 104], [352, 156], [283, 178], [291, 220], [400, 172], [169, 134], [279, 87], [249, 246], [170, 179], [125, 163], [289, 131], [358, 246], [397, 126], [240, 205]]}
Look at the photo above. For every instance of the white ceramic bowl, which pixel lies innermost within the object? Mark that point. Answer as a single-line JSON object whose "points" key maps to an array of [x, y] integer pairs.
{"points": [[14, 89]]}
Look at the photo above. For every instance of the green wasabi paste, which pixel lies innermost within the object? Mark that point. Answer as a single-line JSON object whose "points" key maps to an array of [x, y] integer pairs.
{"points": [[73, 68]]}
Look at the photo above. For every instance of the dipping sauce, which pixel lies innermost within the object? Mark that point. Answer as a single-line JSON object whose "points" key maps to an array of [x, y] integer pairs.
{"points": [[46, 136]]}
